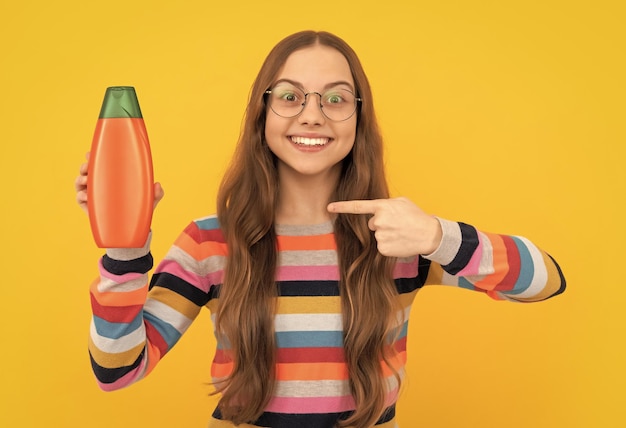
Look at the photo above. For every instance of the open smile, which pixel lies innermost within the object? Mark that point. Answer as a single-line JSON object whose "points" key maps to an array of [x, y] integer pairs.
{"points": [[310, 142]]}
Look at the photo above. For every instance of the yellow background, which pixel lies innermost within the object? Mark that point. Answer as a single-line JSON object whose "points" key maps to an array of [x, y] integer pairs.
{"points": [[508, 115]]}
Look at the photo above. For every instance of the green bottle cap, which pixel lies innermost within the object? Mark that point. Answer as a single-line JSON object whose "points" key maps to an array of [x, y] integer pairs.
{"points": [[120, 101]]}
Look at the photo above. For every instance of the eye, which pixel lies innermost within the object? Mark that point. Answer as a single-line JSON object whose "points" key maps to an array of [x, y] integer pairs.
{"points": [[288, 96], [333, 98]]}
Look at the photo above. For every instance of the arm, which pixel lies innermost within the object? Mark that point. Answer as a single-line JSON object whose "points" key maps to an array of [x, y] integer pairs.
{"points": [[135, 324], [118, 339], [132, 328], [504, 267]]}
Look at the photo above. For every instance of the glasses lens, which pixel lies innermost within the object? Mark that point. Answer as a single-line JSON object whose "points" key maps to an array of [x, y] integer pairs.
{"points": [[337, 104], [286, 100]]}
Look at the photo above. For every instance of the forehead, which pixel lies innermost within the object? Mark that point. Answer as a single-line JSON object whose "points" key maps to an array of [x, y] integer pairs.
{"points": [[315, 66]]}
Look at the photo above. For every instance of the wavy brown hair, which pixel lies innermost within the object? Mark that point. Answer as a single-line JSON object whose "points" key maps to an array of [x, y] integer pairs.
{"points": [[246, 210]]}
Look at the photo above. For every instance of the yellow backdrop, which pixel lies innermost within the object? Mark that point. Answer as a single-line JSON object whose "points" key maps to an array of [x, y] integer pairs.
{"points": [[507, 115]]}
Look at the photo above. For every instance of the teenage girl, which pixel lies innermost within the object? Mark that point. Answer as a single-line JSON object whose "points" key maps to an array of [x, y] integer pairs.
{"points": [[309, 268]]}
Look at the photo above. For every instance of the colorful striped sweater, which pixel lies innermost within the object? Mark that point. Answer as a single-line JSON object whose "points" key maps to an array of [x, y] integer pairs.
{"points": [[137, 321]]}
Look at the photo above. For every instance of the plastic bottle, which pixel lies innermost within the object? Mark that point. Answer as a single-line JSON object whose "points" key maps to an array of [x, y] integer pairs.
{"points": [[120, 182]]}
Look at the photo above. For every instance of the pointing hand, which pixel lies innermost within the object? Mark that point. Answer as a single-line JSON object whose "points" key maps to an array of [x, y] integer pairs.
{"points": [[400, 227]]}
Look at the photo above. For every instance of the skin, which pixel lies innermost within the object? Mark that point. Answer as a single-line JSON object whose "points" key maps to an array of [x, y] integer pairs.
{"points": [[308, 176], [400, 227], [307, 179]]}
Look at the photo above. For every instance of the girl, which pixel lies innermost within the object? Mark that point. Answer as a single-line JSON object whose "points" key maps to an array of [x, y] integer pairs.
{"points": [[308, 268]]}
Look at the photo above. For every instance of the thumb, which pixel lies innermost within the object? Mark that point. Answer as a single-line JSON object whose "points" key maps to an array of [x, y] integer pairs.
{"points": [[158, 193]]}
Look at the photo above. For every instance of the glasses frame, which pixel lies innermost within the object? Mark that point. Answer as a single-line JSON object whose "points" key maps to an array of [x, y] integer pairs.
{"points": [[357, 100]]}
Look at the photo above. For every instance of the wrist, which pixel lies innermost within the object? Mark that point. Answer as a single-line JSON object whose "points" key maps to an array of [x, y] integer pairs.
{"points": [[437, 235]]}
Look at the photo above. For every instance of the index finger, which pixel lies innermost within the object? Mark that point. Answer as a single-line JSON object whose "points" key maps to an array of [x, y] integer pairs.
{"points": [[355, 206]]}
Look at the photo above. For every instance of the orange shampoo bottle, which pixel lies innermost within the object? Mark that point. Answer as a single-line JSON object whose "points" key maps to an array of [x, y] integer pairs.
{"points": [[120, 181]]}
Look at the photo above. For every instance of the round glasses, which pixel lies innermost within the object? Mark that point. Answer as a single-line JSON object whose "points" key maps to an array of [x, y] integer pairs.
{"points": [[337, 104]]}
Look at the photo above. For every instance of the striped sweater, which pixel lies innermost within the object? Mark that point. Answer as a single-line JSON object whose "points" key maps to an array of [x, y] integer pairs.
{"points": [[136, 321]]}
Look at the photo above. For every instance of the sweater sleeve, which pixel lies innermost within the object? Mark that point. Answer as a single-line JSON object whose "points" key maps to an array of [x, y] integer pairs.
{"points": [[137, 321], [504, 267]]}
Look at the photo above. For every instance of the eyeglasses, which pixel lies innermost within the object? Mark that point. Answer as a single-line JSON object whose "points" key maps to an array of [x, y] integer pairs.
{"points": [[337, 104]]}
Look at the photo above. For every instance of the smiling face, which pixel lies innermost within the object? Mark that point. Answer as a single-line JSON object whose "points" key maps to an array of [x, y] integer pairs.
{"points": [[310, 144]]}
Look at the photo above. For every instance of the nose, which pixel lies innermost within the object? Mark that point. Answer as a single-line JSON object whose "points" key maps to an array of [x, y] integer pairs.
{"points": [[312, 110]]}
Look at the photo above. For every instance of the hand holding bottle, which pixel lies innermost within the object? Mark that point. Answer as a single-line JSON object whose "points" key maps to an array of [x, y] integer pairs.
{"points": [[80, 184]]}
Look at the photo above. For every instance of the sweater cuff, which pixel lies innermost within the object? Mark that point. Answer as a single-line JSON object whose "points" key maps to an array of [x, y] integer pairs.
{"points": [[126, 254], [451, 239]]}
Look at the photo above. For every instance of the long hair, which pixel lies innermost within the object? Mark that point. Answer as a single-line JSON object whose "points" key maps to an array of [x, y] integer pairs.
{"points": [[246, 210]]}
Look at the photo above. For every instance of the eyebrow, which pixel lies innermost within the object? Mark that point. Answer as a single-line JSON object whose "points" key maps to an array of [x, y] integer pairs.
{"points": [[328, 85]]}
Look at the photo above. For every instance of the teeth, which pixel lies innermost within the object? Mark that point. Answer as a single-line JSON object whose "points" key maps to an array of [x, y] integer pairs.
{"points": [[310, 141]]}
